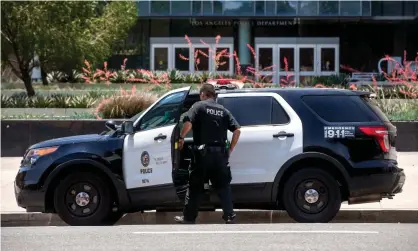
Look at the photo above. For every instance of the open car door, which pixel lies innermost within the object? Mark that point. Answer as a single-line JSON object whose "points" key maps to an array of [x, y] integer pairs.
{"points": [[182, 158], [147, 160]]}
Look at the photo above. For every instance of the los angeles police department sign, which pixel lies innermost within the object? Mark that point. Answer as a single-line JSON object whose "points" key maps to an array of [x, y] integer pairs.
{"points": [[228, 23]]}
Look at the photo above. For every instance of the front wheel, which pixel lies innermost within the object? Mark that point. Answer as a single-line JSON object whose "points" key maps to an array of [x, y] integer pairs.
{"points": [[83, 199], [312, 195]]}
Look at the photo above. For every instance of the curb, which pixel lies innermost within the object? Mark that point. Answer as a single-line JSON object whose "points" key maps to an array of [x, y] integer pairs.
{"points": [[243, 217]]}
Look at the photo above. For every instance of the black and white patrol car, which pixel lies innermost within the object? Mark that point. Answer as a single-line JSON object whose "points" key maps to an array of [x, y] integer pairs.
{"points": [[302, 150]]}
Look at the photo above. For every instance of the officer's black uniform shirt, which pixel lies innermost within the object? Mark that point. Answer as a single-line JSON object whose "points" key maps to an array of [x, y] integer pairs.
{"points": [[211, 122]]}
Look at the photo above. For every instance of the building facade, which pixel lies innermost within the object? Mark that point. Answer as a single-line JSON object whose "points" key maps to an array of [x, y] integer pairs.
{"points": [[315, 37]]}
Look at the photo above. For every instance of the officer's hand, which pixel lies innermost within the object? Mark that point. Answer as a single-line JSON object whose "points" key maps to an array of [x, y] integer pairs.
{"points": [[181, 143]]}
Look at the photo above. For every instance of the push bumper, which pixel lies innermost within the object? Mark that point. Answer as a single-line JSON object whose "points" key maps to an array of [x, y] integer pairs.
{"points": [[378, 185]]}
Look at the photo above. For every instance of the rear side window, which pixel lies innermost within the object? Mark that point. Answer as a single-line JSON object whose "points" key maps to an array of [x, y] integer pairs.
{"points": [[252, 111], [339, 108], [372, 104]]}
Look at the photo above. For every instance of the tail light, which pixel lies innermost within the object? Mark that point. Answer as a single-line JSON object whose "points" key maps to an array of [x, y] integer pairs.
{"points": [[380, 133]]}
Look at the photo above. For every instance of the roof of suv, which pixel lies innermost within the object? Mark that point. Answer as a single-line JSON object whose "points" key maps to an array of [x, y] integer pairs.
{"points": [[294, 91]]}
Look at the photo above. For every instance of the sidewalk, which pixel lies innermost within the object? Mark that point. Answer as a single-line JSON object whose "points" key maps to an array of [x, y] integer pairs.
{"points": [[408, 199]]}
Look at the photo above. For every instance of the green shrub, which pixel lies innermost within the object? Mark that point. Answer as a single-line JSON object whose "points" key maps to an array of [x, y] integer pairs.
{"points": [[51, 101], [399, 109], [125, 106]]}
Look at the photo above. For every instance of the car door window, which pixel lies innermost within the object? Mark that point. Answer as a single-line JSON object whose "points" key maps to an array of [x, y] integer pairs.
{"points": [[279, 115], [165, 112], [253, 111], [249, 111]]}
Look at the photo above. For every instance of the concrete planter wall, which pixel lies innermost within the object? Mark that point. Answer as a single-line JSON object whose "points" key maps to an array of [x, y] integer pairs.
{"points": [[18, 135], [45, 111]]}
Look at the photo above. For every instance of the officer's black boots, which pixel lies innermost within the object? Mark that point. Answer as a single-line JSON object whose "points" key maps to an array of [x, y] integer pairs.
{"points": [[229, 219], [181, 220]]}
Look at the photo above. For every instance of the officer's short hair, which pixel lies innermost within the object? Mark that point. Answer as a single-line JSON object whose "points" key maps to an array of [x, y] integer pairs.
{"points": [[208, 90]]}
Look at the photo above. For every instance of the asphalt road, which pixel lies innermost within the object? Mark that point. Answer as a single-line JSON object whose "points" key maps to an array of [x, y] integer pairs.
{"points": [[323, 237]]}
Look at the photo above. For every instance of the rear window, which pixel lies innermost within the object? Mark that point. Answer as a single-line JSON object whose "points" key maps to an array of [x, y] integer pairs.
{"points": [[372, 104], [339, 108]]}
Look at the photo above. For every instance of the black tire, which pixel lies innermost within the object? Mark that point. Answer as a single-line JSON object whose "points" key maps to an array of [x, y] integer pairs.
{"points": [[113, 218], [329, 196], [100, 208]]}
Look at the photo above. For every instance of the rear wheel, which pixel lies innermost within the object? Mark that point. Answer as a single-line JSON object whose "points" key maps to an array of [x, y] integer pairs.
{"points": [[312, 195], [84, 199]]}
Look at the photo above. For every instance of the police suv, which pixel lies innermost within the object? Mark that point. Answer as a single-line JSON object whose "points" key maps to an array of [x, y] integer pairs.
{"points": [[303, 150]]}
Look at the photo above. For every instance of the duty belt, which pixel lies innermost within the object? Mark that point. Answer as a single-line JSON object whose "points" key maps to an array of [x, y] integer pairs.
{"points": [[209, 148]]}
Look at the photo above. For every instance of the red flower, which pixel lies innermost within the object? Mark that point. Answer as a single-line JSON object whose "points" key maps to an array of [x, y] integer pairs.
{"points": [[223, 82]]}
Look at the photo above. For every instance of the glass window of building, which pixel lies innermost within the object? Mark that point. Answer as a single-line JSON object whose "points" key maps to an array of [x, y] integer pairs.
{"points": [[239, 8], [160, 8], [160, 59], [286, 8], [271, 8], [392, 8], [201, 59], [143, 8], [329, 8], [181, 59], [409, 8], [218, 7], [197, 8], [308, 8], [181, 8], [366, 8], [260, 8], [350, 8], [207, 7]]}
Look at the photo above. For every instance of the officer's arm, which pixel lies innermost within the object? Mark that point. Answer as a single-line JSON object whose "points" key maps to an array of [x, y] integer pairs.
{"points": [[234, 127], [188, 120]]}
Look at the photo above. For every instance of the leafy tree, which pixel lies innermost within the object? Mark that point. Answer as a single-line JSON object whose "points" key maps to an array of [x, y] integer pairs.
{"points": [[63, 34]]}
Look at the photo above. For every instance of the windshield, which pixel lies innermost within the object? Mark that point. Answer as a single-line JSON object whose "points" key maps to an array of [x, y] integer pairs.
{"points": [[134, 118]]}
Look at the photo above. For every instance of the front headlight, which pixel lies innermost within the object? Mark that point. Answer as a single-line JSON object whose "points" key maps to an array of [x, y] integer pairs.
{"points": [[33, 154]]}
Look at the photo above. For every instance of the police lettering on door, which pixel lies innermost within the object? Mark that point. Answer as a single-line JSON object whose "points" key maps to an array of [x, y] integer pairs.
{"points": [[146, 170], [215, 112]]}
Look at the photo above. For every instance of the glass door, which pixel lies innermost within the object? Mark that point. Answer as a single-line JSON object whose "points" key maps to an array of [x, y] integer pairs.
{"points": [[307, 63], [182, 58], [160, 60], [265, 64], [287, 62], [223, 59], [201, 58], [328, 57]]}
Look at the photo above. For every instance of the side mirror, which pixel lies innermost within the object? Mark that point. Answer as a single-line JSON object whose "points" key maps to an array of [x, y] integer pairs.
{"points": [[128, 127], [111, 125]]}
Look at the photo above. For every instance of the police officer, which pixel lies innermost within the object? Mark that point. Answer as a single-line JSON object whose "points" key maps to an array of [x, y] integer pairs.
{"points": [[210, 122]]}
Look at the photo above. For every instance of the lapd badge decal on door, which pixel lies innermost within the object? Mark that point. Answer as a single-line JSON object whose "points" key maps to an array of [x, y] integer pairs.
{"points": [[145, 158]]}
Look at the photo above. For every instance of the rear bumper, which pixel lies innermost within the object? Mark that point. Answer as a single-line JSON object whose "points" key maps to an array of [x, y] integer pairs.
{"points": [[385, 184]]}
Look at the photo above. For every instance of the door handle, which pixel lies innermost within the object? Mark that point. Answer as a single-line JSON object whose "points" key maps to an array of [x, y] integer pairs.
{"points": [[283, 134], [160, 136]]}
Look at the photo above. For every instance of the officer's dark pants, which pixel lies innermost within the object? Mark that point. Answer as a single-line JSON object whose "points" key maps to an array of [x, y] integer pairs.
{"points": [[210, 165]]}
